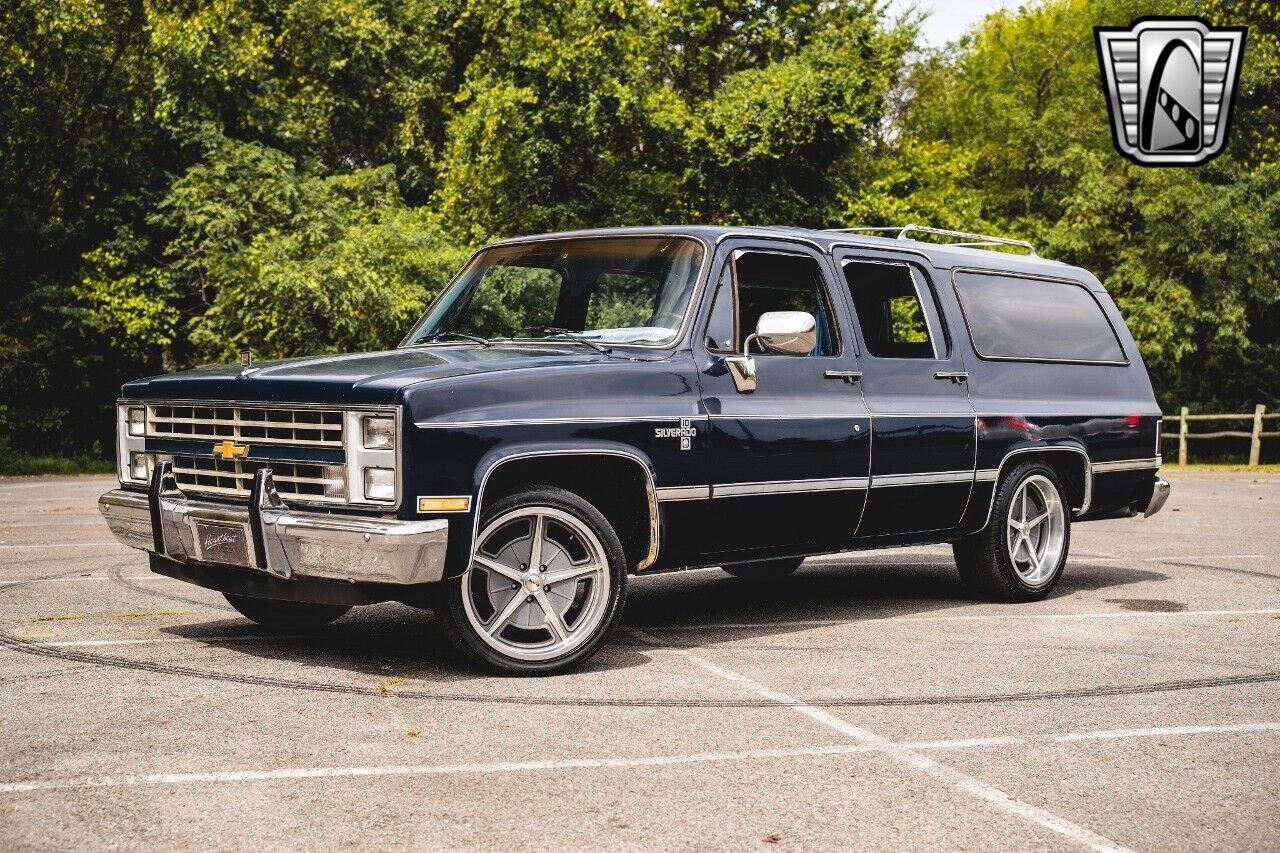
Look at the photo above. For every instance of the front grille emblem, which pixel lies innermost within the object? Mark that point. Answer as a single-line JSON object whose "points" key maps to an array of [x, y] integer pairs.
{"points": [[1170, 83], [230, 450]]}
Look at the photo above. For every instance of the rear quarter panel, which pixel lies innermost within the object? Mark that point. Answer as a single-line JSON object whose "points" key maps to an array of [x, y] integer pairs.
{"points": [[1107, 410]]}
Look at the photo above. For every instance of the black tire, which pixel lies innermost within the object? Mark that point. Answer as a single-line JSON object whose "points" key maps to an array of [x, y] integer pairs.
{"points": [[984, 560], [285, 615], [451, 612], [764, 569]]}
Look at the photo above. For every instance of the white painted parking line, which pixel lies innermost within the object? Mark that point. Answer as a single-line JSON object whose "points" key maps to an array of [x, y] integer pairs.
{"points": [[1205, 557], [1106, 734], [913, 758], [63, 580], [289, 773], [976, 617], [99, 542]]}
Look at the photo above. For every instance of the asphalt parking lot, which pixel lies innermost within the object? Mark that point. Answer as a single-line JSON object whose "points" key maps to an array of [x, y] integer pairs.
{"points": [[864, 702]]}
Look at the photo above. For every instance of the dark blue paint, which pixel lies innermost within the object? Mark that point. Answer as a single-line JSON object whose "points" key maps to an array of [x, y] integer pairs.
{"points": [[466, 408]]}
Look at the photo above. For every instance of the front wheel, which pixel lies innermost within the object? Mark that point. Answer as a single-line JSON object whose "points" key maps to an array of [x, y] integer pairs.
{"points": [[1020, 554], [545, 586], [285, 615]]}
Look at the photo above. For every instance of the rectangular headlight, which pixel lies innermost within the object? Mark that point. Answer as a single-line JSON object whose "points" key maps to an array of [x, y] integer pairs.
{"points": [[379, 484], [137, 465], [137, 420], [379, 433]]}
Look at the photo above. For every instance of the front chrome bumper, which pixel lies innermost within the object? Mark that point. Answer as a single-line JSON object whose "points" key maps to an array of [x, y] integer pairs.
{"points": [[268, 536], [1158, 496]]}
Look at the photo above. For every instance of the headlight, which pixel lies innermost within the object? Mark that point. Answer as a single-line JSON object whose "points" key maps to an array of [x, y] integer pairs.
{"points": [[137, 421], [379, 433], [379, 484], [137, 465]]}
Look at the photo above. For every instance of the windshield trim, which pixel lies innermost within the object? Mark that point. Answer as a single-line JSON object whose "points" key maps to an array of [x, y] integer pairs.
{"points": [[680, 335]]}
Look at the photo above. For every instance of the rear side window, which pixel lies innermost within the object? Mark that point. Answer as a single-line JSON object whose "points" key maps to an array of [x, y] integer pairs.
{"points": [[1035, 319], [886, 298]]}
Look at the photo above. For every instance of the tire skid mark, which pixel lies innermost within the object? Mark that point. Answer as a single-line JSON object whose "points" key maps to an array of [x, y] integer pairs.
{"points": [[1228, 569], [34, 647], [62, 653], [116, 575]]}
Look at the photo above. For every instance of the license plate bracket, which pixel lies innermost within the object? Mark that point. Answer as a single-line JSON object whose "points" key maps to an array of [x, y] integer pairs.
{"points": [[223, 543]]}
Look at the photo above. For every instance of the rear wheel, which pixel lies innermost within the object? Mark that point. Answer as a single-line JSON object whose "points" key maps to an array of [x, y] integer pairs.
{"points": [[1020, 554], [765, 569], [545, 586], [285, 615]]}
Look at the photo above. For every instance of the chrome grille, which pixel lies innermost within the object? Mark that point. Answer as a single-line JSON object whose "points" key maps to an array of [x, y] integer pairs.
{"points": [[247, 424], [234, 478]]}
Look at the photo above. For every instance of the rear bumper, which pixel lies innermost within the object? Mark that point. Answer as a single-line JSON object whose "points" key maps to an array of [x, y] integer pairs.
{"points": [[1159, 495], [269, 537]]}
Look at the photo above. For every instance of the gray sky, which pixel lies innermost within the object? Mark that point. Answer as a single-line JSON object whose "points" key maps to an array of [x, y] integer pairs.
{"points": [[948, 19]]}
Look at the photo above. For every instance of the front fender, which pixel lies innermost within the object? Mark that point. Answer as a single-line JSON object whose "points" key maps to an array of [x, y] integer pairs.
{"points": [[464, 527]]}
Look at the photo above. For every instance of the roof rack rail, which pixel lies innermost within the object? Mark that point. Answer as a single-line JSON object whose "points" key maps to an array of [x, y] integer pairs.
{"points": [[970, 239]]}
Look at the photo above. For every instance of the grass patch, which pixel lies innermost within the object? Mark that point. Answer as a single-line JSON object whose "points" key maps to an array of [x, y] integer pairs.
{"points": [[386, 684], [24, 465], [148, 614], [56, 617]]}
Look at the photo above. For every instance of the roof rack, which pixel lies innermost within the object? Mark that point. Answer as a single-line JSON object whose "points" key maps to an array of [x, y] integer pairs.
{"points": [[970, 239]]}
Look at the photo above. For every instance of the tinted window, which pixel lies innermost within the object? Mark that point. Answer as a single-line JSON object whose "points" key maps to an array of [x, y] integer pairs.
{"points": [[767, 281], [1029, 318], [887, 301], [627, 290]]}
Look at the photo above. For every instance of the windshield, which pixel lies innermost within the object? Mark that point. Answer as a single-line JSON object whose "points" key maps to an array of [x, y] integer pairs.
{"points": [[626, 290]]}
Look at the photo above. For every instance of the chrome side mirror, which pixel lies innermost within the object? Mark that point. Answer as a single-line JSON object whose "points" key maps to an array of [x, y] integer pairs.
{"points": [[786, 332], [743, 370]]}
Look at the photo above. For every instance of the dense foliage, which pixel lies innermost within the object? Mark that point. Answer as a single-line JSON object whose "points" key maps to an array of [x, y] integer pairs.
{"points": [[182, 180]]}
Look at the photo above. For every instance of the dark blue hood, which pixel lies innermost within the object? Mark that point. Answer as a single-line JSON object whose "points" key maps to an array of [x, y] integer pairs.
{"points": [[371, 378]]}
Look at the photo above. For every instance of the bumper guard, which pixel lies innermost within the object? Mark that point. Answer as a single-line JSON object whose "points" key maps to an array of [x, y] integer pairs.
{"points": [[1158, 496], [270, 537]]}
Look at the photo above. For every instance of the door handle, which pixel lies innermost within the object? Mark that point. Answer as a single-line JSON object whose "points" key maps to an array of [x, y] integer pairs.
{"points": [[956, 376], [849, 376]]}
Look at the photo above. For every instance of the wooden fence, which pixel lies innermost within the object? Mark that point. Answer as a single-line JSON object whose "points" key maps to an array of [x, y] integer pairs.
{"points": [[1255, 435]]}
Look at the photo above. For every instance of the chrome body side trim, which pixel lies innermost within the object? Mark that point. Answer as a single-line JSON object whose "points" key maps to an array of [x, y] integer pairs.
{"points": [[986, 475], [1158, 496], [1126, 465], [927, 478], [1084, 461], [780, 487], [651, 492], [608, 419], [683, 493], [321, 545]]}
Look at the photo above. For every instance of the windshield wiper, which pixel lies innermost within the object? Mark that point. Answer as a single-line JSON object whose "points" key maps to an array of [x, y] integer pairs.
{"points": [[570, 334], [435, 336]]}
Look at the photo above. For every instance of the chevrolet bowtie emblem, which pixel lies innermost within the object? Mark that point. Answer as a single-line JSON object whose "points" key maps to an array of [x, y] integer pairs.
{"points": [[230, 450]]}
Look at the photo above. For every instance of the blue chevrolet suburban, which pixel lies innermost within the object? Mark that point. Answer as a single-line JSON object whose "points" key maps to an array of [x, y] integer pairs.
{"points": [[576, 408]]}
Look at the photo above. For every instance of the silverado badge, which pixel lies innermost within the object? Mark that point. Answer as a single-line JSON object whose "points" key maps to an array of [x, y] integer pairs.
{"points": [[685, 432], [228, 450]]}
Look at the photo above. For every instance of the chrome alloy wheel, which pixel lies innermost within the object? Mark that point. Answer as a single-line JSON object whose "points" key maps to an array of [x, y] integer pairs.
{"points": [[1036, 530], [538, 585]]}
